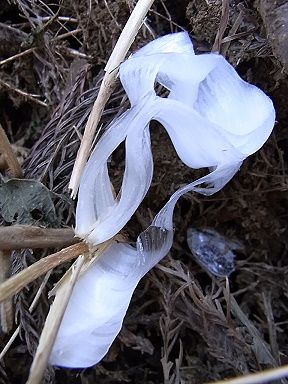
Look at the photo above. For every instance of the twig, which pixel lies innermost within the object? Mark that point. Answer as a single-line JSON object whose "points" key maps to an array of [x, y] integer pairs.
{"points": [[30, 50], [271, 325], [222, 27], [26, 95], [19, 281], [232, 34], [25, 236], [6, 307], [32, 306], [52, 325], [259, 377], [74, 52], [67, 34], [14, 57], [120, 50], [14, 31], [7, 151], [60, 18]]}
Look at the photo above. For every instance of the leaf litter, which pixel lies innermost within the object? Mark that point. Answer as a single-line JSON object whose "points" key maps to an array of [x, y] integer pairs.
{"points": [[27, 202]]}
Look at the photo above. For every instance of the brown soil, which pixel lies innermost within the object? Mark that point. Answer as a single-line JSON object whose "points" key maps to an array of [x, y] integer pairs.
{"points": [[175, 329]]}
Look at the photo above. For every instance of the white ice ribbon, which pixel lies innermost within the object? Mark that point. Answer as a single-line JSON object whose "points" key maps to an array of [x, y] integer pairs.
{"points": [[96, 309], [212, 116], [214, 120]]}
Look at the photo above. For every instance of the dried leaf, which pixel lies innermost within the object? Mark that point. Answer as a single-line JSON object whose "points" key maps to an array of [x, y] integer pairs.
{"points": [[27, 202]]}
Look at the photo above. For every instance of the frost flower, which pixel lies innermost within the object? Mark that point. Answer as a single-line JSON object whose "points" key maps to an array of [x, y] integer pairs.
{"points": [[214, 119]]}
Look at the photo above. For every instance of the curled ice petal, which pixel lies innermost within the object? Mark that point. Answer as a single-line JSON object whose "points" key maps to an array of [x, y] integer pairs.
{"points": [[172, 43], [213, 118], [136, 182], [148, 243], [95, 177], [97, 306], [153, 244], [244, 113], [138, 73], [153, 63], [198, 142], [138, 76], [174, 75], [226, 121], [100, 216]]}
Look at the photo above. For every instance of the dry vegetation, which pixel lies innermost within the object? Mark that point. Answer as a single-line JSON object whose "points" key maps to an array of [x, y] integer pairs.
{"points": [[183, 326]]}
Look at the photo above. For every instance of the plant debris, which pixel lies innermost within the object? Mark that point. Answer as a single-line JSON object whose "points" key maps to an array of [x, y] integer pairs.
{"points": [[27, 202]]}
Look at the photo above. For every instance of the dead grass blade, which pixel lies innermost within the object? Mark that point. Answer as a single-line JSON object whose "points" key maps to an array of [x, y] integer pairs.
{"points": [[17, 56], [121, 48], [52, 325], [260, 348], [19, 281], [11, 159], [222, 27], [6, 307], [32, 306], [259, 377]]}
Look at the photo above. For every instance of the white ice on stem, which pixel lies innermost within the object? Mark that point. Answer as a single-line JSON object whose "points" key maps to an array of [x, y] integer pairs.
{"points": [[212, 117], [96, 309], [214, 120]]}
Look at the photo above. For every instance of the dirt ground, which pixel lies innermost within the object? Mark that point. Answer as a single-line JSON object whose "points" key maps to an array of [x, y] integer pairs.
{"points": [[183, 325]]}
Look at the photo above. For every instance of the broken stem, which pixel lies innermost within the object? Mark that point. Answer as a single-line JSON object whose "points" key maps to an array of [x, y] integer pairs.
{"points": [[16, 283], [52, 325], [26, 236]]}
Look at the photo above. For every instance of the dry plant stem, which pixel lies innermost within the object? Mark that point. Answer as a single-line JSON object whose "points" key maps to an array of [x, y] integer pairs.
{"points": [[222, 27], [128, 34], [19, 281], [14, 57], [271, 326], [52, 325], [6, 307], [7, 151], [32, 306], [259, 377], [253, 331], [258, 342], [25, 95], [94, 255], [25, 236], [121, 48]]}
